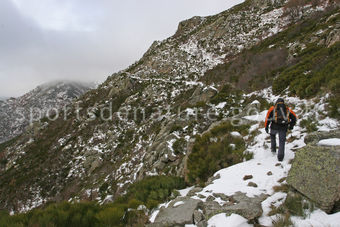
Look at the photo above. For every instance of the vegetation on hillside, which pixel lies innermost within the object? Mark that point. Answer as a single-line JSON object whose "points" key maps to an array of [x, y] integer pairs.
{"points": [[215, 150], [123, 212]]}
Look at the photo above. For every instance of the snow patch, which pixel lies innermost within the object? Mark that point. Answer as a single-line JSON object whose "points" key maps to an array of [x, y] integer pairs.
{"points": [[222, 220], [330, 142]]}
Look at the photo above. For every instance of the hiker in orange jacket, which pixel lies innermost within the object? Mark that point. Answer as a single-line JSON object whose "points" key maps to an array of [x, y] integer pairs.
{"points": [[280, 117]]}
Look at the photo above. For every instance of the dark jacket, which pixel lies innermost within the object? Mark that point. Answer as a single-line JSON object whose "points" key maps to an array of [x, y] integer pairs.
{"points": [[270, 120]]}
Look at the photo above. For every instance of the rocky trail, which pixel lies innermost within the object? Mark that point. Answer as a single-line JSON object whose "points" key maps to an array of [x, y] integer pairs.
{"points": [[248, 191]]}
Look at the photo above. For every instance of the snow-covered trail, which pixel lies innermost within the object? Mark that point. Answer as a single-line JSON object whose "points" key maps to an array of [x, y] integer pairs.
{"points": [[264, 170]]}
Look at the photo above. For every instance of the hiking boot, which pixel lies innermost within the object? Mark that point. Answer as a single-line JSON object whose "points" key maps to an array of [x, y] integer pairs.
{"points": [[274, 151]]}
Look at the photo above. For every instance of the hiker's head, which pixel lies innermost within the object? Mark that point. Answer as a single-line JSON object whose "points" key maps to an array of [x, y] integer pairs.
{"points": [[280, 100]]}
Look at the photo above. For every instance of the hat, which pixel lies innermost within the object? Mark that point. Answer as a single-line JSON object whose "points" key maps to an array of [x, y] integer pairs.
{"points": [[280, 100]]}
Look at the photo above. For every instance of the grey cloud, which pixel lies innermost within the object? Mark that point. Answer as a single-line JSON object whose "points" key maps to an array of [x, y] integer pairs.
{"points": [[119, 33]]}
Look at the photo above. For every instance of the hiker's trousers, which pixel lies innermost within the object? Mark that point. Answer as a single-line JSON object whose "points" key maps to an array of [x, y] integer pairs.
{"points": [[282, 140]]}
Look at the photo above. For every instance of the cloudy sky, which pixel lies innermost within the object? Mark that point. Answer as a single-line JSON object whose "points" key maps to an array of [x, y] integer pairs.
{"points": [[87, 40]]}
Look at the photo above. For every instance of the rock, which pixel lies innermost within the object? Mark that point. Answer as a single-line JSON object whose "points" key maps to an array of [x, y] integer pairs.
{"points": [[270, 173], [186, 26], [315, 173], [198, 216], [201, 196], [193, 191], [247, 177], [95, 164], [210, 198], [221, 196], [211, 179], [252, 184], [333, 37], [211, 208], [179, 215], [203, 223], [317, 136], [202, 95], [249, 208]]}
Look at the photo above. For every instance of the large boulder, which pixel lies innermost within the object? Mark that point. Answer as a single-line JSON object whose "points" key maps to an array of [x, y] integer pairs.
{"points": [[248, 207], [315, 137], [315, 173], [179, 212], [239, 203]]}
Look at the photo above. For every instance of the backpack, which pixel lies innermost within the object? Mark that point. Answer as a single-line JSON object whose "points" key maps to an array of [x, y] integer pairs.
{"points": [[281, 114]]}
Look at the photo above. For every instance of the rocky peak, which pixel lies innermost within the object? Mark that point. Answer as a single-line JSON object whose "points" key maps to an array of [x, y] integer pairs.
{"points": [[186, 26]]}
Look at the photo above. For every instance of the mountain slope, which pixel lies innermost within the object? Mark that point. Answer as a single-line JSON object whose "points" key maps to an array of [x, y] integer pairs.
{"points": [[17, 113], [207, 66]]}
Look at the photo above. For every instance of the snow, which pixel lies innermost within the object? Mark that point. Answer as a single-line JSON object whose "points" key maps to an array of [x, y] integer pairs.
{"points": [[190, 112], [231, 181], [153, 216], [222, 220], [327, 125], [330, 142], [231, 178], [276, 200], [185, 191], [257, 117], [318, 218], [221, 105], [235, 134], [178, 203]]}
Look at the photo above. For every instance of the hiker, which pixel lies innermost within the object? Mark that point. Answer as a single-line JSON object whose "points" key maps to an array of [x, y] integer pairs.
{"points": [[280, 118]]}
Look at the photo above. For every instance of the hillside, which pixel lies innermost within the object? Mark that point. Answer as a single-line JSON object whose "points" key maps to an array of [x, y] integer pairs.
{"points": [[176, 111], [17, 113]]}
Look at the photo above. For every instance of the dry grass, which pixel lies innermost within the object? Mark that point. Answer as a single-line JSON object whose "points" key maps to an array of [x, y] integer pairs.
{"points": [[281, 188]]}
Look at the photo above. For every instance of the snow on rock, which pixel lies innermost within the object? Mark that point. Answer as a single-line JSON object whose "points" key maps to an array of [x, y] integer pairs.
{"points": [[235, 134], [330, 142], [178, 203], [327, 125], [318, 218], [221, 105], [257, 117], [276, 200], [222, 220], [185, 191], [153, 216]]}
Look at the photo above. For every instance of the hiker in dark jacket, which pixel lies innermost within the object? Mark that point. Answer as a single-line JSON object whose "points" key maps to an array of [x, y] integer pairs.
{"points": [[280, 118]]}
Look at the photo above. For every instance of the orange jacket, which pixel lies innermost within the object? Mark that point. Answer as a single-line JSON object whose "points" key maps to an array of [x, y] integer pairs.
{"points": [[270, 117]]}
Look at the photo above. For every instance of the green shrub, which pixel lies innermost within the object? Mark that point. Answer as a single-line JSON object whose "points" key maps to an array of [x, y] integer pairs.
{"points": [[294, 205], [318, 68], [111, 216], [179, 146], [176, 128], [212, 152], [154, 190], [309, 125], [151, 191]]}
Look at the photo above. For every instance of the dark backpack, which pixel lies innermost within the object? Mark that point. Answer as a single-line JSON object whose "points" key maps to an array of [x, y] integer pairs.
{"points": [[281, 114]]}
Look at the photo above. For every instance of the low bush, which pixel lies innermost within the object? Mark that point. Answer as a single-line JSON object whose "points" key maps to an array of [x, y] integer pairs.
{"points": [[308, 125], [179, 146], [215, 150], [151, 191]]}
